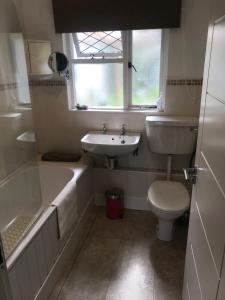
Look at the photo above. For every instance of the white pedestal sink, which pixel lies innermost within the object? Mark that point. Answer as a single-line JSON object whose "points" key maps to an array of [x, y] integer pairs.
{"points": [[110, 144]]}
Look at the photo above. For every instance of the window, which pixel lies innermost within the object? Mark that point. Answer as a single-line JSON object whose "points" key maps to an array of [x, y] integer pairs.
{"points": [[98, 44], [146, 45], [117, 69]]}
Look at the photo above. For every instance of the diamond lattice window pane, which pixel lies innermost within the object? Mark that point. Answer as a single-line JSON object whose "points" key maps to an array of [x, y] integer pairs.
{"points": [[102, 43]]}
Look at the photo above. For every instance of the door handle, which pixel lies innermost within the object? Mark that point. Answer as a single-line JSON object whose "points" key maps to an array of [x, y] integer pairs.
{"points": [[190, 174]]}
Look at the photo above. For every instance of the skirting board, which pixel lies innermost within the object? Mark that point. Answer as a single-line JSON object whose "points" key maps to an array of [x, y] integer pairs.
{"points": [[134, 183], [68, 253]]}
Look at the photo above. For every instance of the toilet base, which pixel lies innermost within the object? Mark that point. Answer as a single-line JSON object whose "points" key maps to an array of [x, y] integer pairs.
{"points": [[165, 230]]}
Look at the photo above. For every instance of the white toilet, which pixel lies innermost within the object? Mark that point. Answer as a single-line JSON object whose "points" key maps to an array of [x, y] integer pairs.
{"points": [[169, 199]]}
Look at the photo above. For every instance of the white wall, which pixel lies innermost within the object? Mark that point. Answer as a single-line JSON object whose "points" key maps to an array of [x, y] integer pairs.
{"points": [[9, 19], [187, 44], [60, 129]]}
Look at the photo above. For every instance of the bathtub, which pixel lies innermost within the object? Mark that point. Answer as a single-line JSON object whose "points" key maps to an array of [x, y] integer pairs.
{"points": [[37, 248], [53, 180], [20, 205], [27, 193]]}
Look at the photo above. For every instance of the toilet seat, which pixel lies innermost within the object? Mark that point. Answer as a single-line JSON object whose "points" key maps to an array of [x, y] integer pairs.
{"points": [[169, 196]]}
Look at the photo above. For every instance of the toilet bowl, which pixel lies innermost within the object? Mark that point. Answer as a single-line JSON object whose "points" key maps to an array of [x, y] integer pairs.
{"points": [[168, 200]]}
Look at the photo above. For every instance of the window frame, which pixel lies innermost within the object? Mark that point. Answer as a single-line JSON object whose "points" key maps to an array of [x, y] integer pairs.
{"points": [[127, 72]]}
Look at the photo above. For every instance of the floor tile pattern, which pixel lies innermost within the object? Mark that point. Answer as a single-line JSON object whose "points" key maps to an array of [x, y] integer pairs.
{"points": [[123, 260]]}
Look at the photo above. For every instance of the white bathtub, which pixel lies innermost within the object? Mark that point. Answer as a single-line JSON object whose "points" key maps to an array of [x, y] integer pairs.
{"points": [[54, 178], [20, 206], [19, 194], [29, 191], [60, 189], [39, 249]]}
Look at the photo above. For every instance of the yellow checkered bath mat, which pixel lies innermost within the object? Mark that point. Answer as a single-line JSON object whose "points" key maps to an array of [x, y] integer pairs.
{"points": [[14, 233]]}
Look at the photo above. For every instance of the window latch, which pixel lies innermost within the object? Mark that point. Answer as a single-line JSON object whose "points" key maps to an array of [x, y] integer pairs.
{"points": [[130, 66]]}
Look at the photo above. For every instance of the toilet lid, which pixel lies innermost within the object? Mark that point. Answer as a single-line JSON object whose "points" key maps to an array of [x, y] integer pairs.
{"points": [[169, 195]]}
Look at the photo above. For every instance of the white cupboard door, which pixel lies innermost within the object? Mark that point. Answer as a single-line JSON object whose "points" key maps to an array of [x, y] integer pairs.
{"points": [[206, 240], [221, 292], [39, 52]]}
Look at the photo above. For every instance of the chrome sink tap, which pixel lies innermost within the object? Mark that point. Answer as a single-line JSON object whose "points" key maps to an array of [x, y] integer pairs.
{"points": [[123, 130], [104, 129]]}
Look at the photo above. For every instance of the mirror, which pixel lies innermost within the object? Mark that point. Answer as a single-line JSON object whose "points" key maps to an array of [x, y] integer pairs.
{"points": [[58, 62]]}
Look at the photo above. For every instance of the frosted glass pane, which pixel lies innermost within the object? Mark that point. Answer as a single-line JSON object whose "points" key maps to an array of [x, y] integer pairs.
{"points": [[146, 59], [99, 85]]}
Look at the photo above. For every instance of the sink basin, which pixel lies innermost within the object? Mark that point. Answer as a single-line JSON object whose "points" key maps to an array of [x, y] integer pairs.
{"points": [[110, 143], [27, 137]]}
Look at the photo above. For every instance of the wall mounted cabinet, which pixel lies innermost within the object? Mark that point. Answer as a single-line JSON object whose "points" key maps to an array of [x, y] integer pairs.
{"points": [[37, 54]]}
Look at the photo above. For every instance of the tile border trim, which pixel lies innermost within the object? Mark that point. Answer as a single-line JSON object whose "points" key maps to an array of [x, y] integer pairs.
{"points": [[8, 86], [57, 82], [48, 82], [193, 81], [15, 85]]}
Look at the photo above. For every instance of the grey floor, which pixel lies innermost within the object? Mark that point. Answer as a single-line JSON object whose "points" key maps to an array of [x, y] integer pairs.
{"points": [[123, 260]]}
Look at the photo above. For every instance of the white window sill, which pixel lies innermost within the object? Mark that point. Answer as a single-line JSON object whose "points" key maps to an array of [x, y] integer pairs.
{"points": [[152, 111], [23, 108]]}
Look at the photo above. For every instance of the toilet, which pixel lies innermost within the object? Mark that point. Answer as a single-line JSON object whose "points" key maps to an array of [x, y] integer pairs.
{"points": [[169, 135]]}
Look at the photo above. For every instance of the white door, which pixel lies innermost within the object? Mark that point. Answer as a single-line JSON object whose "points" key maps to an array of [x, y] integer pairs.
{"points": [[206, 238], [5, 293]]}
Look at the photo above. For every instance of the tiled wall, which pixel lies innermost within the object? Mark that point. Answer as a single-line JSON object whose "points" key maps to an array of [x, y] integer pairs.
{"points": [[60, 129]]}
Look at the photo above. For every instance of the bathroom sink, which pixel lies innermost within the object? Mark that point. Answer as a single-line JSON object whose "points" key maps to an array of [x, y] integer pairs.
{"points": [[27, 137], [110, 143]]}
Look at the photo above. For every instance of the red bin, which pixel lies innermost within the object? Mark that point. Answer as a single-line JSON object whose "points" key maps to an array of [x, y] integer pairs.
{"points": [[114, 203]]}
